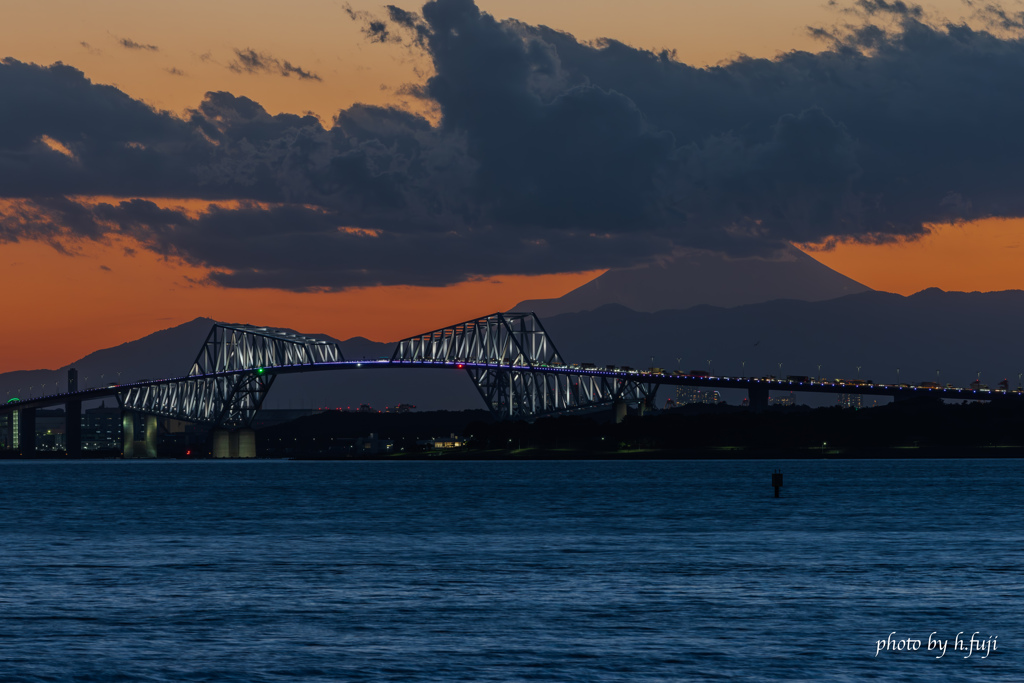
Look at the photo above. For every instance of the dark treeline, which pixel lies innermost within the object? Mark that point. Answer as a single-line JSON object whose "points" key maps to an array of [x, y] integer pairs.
{"points": [[332, 432], [905, 429], [923, 424]]}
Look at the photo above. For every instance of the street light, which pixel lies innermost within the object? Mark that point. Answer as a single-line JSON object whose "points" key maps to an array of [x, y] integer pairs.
{"points": [[897, 376]]}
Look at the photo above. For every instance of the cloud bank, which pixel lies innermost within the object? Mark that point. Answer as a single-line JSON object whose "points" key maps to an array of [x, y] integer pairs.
{"points": [[549, 155]]}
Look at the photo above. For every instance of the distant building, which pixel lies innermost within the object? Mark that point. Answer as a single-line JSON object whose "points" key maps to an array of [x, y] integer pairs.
{"points": [[686, 395], [783, 400], [453, 441], [373, 444], [851, 401], [50, 429], [101, 428]]}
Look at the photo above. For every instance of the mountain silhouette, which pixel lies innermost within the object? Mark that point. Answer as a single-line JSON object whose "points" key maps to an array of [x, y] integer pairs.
{"points": [[698, 277]]}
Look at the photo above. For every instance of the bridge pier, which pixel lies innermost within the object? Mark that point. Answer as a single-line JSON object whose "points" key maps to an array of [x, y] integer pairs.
{"points": [[26, 421], [619, 410], [143, 448], [12, 431], [240, 443], [757, 398], [649, 402], [73, 428]]}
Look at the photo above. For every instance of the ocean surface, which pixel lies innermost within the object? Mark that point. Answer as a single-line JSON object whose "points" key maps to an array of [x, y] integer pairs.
{"points": [[511, 571]]}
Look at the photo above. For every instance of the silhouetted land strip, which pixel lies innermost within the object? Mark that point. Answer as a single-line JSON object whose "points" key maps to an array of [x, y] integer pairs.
{"points": [[913, 429], [470, 454], [923, 428]]}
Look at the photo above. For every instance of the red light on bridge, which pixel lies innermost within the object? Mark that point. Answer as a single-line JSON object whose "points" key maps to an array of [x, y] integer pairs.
{"points": [[460, 365]]}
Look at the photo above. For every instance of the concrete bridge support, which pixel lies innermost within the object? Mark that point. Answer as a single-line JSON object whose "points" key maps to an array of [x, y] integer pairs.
{"points": [[240, 443], [26, 421], [141, 448], [619, 410], [73, 428], [757, 398]]}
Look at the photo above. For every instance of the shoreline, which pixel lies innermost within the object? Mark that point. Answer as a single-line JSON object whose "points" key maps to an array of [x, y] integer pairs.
{"points": [[881, 453], [530, 454]]}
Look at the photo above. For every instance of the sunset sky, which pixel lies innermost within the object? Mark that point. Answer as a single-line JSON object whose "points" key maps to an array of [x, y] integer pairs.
{"points": [[218, 159]]}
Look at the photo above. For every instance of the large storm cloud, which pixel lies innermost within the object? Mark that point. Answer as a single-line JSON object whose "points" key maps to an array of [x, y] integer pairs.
{"points": [[549, 154]]}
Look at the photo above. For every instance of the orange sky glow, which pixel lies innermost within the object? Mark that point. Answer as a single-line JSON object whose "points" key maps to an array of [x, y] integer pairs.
{"points": [[67, 306], [61, 307]]}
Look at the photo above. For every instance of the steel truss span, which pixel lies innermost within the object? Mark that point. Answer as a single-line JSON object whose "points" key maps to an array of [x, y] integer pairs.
{"points": [[527, 394], [516, 367], [509, 357], [500, 339], [231, 375]]}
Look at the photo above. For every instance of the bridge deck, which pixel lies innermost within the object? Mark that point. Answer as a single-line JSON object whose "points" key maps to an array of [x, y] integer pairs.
{"points": [[709, 382]]}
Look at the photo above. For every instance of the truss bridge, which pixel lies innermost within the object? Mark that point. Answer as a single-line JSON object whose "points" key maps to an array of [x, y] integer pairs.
{"points": [[510, 358]]}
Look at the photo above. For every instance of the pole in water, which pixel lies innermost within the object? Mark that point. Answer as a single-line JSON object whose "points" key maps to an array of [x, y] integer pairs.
{"points": [[777, 481]]}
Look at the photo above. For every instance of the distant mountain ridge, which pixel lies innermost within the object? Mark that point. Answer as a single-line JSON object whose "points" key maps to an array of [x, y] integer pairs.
{"points": [[698, 277], [888, 336]]}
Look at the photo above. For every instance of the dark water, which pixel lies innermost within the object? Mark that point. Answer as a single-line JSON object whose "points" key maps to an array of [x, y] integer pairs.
{"points": [[498, 571]]}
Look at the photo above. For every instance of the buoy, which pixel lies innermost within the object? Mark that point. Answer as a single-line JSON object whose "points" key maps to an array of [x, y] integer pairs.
{"points": [[777, 481]]}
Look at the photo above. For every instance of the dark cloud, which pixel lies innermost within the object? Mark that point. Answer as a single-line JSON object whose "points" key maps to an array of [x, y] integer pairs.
{"points": [[549, 155], [132, 45], [175, 71], [115, 143], [375, 29], [865, 140], [250, 61], [243, 247]]}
